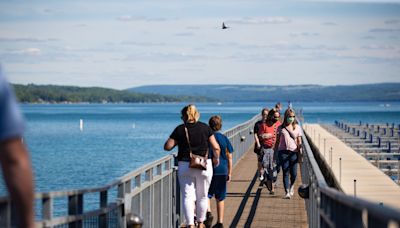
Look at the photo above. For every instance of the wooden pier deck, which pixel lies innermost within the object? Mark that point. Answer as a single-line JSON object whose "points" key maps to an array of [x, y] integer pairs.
{"points": [[249, 205], [371, 183]]}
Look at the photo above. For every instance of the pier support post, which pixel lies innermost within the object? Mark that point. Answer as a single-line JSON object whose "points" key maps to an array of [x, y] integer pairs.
{"points": [[355, 188], [340, 170]]}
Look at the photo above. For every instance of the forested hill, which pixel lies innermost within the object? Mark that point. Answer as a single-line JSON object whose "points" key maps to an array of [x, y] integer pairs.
{"points": [[367, 92], [70, 94]]}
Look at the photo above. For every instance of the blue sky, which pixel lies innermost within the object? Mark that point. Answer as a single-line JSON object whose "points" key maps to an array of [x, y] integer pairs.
{"points": [[123, 44]]}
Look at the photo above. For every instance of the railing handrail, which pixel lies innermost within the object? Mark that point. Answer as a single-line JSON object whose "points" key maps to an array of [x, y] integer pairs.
{"points": [[127, 187], [40, 195], [317, 171]]}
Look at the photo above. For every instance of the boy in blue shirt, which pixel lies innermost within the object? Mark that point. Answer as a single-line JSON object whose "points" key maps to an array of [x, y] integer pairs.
{"points": [[221, 174]]}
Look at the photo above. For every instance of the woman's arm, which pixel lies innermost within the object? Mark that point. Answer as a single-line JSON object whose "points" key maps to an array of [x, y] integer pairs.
{"points": [[229, 156], [169, 144], [216, 149], [299, 143], [257, 140]]}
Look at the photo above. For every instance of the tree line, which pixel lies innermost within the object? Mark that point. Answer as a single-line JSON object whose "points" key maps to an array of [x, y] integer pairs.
{"points": [[32, 93]]}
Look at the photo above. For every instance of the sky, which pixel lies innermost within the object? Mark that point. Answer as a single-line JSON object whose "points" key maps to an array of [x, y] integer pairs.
{"points": [[124, 44]]}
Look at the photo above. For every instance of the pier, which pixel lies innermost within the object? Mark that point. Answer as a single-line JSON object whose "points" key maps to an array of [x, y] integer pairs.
{"points": [[341, 189]]}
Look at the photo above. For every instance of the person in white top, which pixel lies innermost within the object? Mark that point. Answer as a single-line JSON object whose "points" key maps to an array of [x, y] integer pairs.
{"points": [[289, 148]]}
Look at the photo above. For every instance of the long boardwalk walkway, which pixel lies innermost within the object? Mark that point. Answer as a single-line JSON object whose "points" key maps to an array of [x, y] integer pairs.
{"points": [[249, 205], [371, 183]]}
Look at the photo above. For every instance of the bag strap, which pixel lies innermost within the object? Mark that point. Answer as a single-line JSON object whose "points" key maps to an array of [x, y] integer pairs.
{"points": [[291, 134], [188, 141]]}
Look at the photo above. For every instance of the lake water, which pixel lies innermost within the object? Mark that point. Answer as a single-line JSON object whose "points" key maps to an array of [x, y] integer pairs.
{"points": [[118, 138]]}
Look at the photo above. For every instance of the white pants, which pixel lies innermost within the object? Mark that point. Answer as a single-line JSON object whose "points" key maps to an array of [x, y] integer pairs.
{"points": [[194, 184]]}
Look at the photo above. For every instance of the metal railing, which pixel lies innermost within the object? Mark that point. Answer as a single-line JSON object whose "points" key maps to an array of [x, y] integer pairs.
{"points": [[329, 207], [151, 192]]}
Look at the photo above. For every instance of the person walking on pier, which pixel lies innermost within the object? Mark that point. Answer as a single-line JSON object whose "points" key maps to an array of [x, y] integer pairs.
{"points": [[221, 174], [267, 134], [14, 157], [289, 148], [257, 144], [194, 183]]}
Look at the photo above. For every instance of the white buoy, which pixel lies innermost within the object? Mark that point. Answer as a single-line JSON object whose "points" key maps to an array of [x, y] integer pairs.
{"points": [[81, 124]]}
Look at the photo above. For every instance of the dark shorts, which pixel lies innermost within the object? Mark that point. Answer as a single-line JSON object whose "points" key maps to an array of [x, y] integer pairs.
{"points": [[218, 187]]}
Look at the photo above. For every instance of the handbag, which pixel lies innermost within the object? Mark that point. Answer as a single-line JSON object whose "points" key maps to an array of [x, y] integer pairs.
{"points": [[196, 161]]}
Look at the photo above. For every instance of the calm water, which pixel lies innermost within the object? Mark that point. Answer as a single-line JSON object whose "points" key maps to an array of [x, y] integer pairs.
{"points": [[118, 138]]}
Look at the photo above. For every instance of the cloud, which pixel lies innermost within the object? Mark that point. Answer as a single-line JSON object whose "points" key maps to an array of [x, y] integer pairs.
{"points": [[130, 18], [329, 23], [384, 30], [163, 57], [193, 27], [126, 18], [378, 47], [27, 40], [305, 34], [184, 34], [393, 21], [144, 43], [368, 37], [267, 20], [30, 51]]}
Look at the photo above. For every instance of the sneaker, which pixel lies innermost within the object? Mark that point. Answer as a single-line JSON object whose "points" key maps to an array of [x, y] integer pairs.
{"points": [[218, 225], [287, 196], [209, 219], [291, 191], [271, 192]]}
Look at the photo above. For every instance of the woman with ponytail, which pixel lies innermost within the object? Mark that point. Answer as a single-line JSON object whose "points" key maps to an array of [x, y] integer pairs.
{"points": [[289, 146], [194, 183]]}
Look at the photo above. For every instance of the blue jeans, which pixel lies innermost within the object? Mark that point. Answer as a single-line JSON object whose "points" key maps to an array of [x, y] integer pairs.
{"points": [[288, 161]]}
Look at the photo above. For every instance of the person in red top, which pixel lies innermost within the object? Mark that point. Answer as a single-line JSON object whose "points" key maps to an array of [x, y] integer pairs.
{"points": [[267, 138]]}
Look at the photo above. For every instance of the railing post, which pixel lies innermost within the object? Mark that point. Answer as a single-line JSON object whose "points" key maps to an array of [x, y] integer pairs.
{"points": [[47, 208], [75, 207], [103, 204], [340, 171], [149, 177], [121, 210], [355, 188]]}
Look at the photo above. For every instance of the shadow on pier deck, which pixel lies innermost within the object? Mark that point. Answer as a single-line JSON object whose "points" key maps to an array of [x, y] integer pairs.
{"points": [[250, 205]]}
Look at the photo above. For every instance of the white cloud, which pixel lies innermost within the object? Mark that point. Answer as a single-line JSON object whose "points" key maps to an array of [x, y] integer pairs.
{"points": [[130, 18], [184, 34], [27, 40], [329, 23], [30, 51], [257, 20], [393, 21], [384, 30], [378, 47], [126, 18]]}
